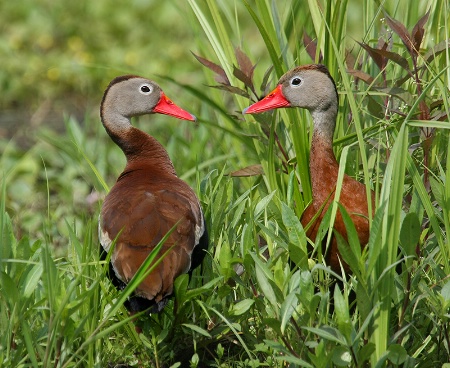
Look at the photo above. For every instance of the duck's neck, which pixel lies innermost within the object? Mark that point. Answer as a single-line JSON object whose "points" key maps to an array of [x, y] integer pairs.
{"points": [[322, 163], [139, 147]]}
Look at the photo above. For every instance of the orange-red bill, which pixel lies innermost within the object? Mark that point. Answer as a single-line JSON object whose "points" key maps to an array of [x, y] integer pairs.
{"points": [[273, 100], [167, 107]]}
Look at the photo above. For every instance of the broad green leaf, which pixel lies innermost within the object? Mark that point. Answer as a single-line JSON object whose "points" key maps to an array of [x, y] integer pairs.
{"points": [[262, 266], [197, 329], [180, 287], [306, 288], [363, 300], [294, 360], [203, 289], [195, 360], [29, 341], [262, 204], [341, 356], [445, 291], [32, 279], [263, 276], [51, 280], [287, 309], [341, 311], [352, 235], [225, 257], [274, 324], [266, 287], [9, 289], [328, 333], [397, 354], [241, 307], [297, 237], [238, 213], [438, 191], [365, 352], [347, 254], [410, 233], [374, 244]]}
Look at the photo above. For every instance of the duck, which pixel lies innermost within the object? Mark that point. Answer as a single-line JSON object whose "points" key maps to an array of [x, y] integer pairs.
{"points": [[148, 199], [312, 87]]}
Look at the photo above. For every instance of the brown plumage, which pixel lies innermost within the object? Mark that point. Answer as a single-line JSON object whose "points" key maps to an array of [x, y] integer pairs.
{"points": [[148, 198], [312, 87]]}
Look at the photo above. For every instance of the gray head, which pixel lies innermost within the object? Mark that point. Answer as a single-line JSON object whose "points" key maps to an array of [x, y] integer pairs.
{"points": [[310, 87], [130, 95]]}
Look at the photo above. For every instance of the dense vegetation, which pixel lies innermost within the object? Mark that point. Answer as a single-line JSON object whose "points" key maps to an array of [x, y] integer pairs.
{"points": [[247, 306]]}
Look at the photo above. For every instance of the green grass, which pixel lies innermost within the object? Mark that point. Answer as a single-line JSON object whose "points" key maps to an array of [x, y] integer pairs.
{"points": [[245, 307]]}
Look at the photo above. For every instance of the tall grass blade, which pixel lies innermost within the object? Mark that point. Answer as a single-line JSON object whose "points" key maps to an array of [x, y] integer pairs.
{"points": [[392, 194]]}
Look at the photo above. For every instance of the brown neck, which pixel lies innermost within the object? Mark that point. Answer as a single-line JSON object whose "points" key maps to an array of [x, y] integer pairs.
{"points": [[322, 163], [142, 149], [323, 167]]}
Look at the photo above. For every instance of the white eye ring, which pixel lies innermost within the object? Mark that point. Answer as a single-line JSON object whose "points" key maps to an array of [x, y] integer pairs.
{"points": [[146, 89], [296, 81]]}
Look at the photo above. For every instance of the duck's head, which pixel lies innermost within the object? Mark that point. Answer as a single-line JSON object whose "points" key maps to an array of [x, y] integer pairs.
{"points": [[310, 87]]}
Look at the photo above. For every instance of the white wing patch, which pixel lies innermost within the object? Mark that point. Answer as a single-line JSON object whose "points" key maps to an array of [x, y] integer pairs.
{"points": [[106, 243], [199, 228], [103, 237]]}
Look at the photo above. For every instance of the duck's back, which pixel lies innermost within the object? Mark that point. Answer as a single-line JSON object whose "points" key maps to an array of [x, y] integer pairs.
{"points": [[159, 204]]}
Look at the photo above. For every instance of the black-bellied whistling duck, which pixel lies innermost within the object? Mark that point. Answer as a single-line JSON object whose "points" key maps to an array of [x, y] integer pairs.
{"points": [[148, 199], [311, 87]]}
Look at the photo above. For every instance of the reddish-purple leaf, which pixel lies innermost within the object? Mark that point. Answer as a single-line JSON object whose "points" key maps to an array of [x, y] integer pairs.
{"points": [[436, 104], [232, 89], [239, 74], [399, 81], [382, 44], [401, 31], [244, 63], [361, 75], [267, 74], [221, 76], [311, 47], [350, 60], [247, 80], [253, 170], [374, 54], [245, 71], [418, 32], [380, 56], [440, 116], [396, 58]]}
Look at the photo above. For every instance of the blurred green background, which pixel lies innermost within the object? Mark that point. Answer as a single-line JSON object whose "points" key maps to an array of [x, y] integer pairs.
{"points": [[58, 56]]}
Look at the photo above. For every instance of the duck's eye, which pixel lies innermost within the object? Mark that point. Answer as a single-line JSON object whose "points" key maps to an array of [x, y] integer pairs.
{"points": [[296, 81], [146, 89]]}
